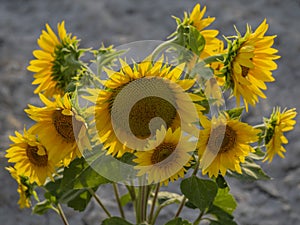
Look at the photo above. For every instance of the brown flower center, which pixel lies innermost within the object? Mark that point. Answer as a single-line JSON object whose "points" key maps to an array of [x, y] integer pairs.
{"points": [[65, 126], [35, 158], [146, 109], [162, 152], [219, 139]]}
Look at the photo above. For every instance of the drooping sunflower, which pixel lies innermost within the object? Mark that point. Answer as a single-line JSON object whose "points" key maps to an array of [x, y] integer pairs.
{"points": [[249, 64], [224, 144], [166, 157], [126, 110], [60, 128], [56, 62], [30, 157], [278, 123], [212, 44], [24, 201]]}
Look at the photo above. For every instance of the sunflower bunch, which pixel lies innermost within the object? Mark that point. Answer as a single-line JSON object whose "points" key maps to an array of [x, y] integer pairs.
{"points": [[148, 121]]}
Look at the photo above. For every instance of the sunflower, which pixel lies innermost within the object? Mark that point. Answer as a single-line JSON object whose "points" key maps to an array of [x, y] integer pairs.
{"points": [[134, 98], [249, 64], [212, 44], [278, 123], [59, 128], [56, 62], [224, 144], [24, 201], [166, 157], [30, 157]]}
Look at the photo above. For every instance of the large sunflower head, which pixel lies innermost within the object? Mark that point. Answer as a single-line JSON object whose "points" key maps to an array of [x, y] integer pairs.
{"points": [[165, 158], [56, 62], [135, 101], [278, 123], [224, 144], [24, 193], [59, 128], [30, 157], [249, 63]]}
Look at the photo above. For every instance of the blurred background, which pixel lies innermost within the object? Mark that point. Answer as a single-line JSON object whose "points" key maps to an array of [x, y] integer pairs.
{"points": [[116, 22]]}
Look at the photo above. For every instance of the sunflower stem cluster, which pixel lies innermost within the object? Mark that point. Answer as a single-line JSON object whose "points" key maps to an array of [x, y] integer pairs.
{"points": [[144, 123]]}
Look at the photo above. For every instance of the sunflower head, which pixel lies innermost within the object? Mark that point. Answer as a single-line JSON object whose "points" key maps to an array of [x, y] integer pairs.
{"points": [[58, 122], [24, 189], [30, 157], [224, 144], [57, 62], [248, 64], [278, 123], [165, 158], [135, 102]]}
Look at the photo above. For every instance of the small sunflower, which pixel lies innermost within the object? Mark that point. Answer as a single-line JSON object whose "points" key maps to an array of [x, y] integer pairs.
{"points": [[249, 64], [60, 128], [56, 63], [166, 157], [278, 123], [224, 144], [30, 157], [134, 97], [212, 44], [24, 201]]}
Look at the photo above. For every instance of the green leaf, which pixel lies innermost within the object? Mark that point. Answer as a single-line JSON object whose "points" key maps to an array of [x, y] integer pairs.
{"points": [[221, 182], [225, 200], [178, 221], [223, 217], [125, 199], [115, 221], [196, 40], [200, 192], [250, 171], [80, 175], [235, 113], [42, 207], [80, 199]]}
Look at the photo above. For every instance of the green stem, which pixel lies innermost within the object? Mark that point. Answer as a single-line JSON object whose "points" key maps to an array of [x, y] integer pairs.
{"points": [[153, 204], [163, 46], [213, 58], [99, 201], [184, 198], [197, 221], [118, 200], [260, 126], [62, 214]]}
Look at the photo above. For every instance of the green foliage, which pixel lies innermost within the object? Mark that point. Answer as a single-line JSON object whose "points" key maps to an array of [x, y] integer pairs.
{"points": [[223, 217], [80, 175], [42, 207], [200, 192], [115, 221], [225, 200], [250, 171], [196, 41], [178, 221], [235, 113], [167, 198]]}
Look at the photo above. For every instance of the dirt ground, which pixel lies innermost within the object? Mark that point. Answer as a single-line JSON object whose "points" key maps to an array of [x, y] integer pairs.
{"points": [[116, 22]]}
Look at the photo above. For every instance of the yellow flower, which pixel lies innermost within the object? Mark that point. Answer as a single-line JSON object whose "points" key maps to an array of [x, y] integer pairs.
{"points": [[166, 157], [56, 62], [249, 64], [278, 123], [59, 128], [30, 156], [224, 144], [212, 44], [24, 201], [132, 100]]}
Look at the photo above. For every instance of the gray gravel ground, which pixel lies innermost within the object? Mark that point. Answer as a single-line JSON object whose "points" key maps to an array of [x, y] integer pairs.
{"points": [[275, 202]]}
